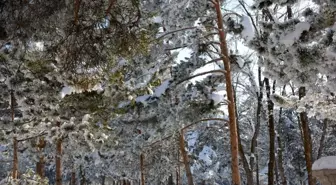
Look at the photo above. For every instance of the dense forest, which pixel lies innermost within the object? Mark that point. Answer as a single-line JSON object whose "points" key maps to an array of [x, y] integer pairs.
{"points": [[167, 92]]}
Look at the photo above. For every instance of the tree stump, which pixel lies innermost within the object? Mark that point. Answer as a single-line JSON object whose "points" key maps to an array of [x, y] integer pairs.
{"points": [[324, 169]]}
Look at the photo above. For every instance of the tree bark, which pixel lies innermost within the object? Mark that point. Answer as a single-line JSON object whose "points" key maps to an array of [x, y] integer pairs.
{"points": [[246, 166], [306, 140], [280, 153], [15, 141], [15, 158], [59, 159], [103, 180], [170, 180], [177, 179], [142, 168], [257, 126], [229, 93], [82, 174], [40, 165], [257, 167], [73, 177], [270, 106], [324, 131], [185, 160]]}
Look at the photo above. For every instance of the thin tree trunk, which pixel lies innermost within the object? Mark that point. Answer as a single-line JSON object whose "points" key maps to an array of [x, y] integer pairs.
{"points": [[40, 165], [73, 177], [83, 178], [15, 158], [142, 168], [186, 160], [246, 166], [59, 159], [103, 180], [258, 119], [15, 142], [177, 177], [270, 106], [276, 172], [257, 166], [178, 170], [324, 131], [229, 93], [249, 173], [306, 140], [280, 153], [170, 180]]}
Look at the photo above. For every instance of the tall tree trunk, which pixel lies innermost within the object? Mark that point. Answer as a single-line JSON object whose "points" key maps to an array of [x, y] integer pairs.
{"points": [[257, 166], [257, 125], [103, 180], [15, 158], [59, 159], [276, 172], [306, 140], [246, 166], [324, 131], [178, 169], [15, 142], [142, 168], [83, 178], [270, 106], [40, 165], [186, 160], [170, 180], [229, 93], [280, 153], [73, 176]]}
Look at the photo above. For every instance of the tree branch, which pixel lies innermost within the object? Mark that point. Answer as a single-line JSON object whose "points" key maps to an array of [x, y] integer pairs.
{"points": [[32, 137], [202, 120], [174, 31], [201, 74]]}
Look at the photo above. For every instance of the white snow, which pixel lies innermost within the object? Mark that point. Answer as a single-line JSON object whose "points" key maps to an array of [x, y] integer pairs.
{"points": [[160, 90], [157, 19], [142, 99], [65, 91], [205, 155], [192, 140], [328, 162], [218, 97], [248, 31], [291, 37], [182, 54]]}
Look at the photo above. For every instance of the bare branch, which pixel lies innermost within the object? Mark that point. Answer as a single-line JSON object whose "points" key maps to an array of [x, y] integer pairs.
{"points": [[214, 60], [6, 161], [174, 31], [202, 120], [200, 74], [32, 137], [112, 2], [249, 14]]}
